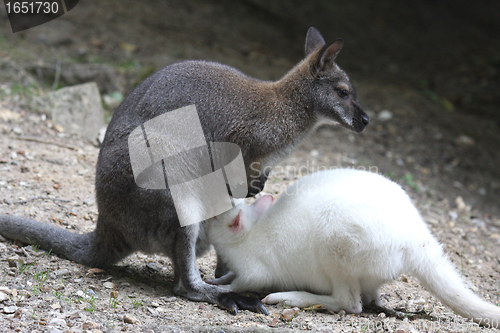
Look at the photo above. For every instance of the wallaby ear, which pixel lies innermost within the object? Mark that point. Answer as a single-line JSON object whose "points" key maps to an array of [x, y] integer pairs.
{"points": [[238, 223], [326, 56], [314, 40], [262, 204]]}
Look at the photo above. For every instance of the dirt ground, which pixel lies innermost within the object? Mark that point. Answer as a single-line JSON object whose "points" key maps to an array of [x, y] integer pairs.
{"points": [[430, 137]]}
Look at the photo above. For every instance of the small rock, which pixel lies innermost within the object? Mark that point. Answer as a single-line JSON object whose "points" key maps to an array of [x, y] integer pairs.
{"points": [[14, 261], [58, 273], [9, 309], [152, 266], [109, 285], [464, 140], [114, 294], [49, 299], [384, 115], [59, 322], [129, 319], [461, 204], [342, 313], [59, 128], [59, 286], [153, 312], [102, 133], [381, 315], [56, 306], [81, 294], [288, 314], [6, 290], [3, 296], [154, 304], [90, 325], [95, 271], [453, 215], [404, 278], [419, 301], [7, 201]]}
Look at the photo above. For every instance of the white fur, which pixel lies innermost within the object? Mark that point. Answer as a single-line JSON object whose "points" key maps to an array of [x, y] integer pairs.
{"points": [[333, 239]]}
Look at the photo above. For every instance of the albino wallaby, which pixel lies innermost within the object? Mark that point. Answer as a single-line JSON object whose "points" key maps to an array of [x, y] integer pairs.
{"points": [[265, 119], [333, 238]]}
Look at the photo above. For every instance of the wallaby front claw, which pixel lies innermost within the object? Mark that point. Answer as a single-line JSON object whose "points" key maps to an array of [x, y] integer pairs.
{"points": [[232, 302]]}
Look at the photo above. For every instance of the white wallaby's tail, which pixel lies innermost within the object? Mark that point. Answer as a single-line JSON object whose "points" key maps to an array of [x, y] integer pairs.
{"points": [[437, 274]]}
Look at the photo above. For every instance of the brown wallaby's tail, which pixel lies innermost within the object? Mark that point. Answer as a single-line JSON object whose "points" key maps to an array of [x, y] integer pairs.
{"points": [[81, 248]]}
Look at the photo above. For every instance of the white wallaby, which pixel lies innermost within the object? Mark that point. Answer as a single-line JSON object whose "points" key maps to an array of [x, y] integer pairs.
{"points": [[333, 238]]}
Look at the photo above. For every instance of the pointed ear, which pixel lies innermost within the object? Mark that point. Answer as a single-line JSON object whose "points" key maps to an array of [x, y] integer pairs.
{"points": [[262, 204], [238, 223], [326, 56], [314, 40]]}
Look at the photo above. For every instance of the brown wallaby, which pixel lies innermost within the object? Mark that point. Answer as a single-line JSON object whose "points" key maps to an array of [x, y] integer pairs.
{"points": [[265, 119]]}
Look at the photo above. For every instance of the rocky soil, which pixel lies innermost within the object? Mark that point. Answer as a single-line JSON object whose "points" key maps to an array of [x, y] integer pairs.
{"points": [[446, 159]]}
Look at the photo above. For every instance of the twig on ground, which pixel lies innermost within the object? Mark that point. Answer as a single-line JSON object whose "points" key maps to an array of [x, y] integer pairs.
{"points": [[40, 198], [26, 138], [373, 308]]}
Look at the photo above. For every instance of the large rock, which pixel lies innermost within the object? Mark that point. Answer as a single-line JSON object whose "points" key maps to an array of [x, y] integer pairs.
{"points": [[78, 109]]}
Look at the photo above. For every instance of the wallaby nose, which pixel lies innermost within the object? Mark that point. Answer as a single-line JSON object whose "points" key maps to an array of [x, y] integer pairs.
{"points": [[365, 119]]}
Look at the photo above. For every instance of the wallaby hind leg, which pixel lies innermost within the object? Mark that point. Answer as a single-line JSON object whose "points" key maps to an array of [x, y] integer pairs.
{"points": [[221, 269], [188, 282], [371, 296], [303, 299], [370, 292]]}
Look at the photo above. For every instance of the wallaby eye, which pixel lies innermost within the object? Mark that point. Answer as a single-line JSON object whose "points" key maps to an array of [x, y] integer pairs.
{"points": [[342, 93]]}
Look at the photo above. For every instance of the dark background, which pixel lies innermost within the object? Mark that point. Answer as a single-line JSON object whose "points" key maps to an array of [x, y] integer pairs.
{"points": [[434, 64]]}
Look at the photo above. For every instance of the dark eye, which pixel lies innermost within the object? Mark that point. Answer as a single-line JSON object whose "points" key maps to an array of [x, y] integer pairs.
{"points": [[342, 93]]}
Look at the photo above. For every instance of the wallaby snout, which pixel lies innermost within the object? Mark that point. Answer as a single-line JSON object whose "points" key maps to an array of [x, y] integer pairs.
{"points": [[360, 119]]}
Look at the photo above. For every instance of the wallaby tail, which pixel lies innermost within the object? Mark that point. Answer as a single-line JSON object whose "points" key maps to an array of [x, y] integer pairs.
{"points": [[438, 275], [81, 248]]}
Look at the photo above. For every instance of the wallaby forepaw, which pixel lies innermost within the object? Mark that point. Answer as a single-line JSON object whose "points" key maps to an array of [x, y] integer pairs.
{"points": [[233, 301]]}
